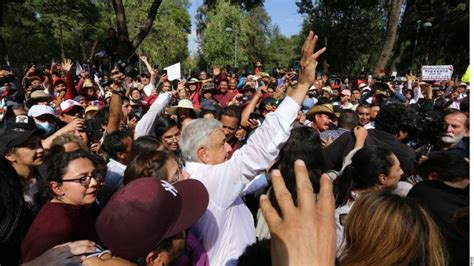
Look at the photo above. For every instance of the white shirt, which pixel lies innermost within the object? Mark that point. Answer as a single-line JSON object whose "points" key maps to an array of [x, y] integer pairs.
{"points": [[145, 125], [114, 176], [227, 226]]}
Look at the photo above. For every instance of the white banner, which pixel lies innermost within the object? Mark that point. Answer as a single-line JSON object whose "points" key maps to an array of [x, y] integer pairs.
{"points": [[174, 71], [438, 73]]}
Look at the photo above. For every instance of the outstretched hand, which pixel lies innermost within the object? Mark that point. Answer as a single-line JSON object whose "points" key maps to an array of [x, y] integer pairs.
{"points": [[309, 59], [66, 65], [306, 234]]}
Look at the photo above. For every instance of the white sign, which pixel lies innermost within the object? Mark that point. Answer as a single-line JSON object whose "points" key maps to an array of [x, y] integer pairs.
{"points": [[438, 73], [174, 71]]}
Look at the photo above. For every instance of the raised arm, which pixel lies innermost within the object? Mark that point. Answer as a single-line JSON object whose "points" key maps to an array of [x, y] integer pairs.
{"points": [[115, 109], [264, 145], [145, 125], [250, 108], [150, 70]]}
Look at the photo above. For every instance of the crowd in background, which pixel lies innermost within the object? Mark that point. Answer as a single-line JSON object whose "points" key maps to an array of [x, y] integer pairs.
{"points": [[132, 168]]}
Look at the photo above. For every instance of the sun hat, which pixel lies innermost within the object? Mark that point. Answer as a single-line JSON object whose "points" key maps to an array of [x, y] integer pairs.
{"points": [[38, 96], [320, 109], [184, 103]]}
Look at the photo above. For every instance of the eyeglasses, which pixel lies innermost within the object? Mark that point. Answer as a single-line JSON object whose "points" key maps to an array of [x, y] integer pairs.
{"points": [[178, 175], [86, 180]]}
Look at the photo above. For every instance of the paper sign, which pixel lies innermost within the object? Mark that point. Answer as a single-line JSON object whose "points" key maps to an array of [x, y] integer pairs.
{"points": [[174, 71], [438, 73]]}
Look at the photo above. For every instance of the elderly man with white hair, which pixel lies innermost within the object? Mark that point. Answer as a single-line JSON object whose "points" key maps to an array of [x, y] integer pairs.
{"points": [[227, 226]]}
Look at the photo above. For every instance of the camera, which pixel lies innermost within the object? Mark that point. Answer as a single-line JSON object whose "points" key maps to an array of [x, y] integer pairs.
{"points": [[135, 113], [313, 93], [126, 68]]}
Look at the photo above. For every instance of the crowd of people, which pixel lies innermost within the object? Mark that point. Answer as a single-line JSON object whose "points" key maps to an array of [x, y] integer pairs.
{"points": [[223, 168]]}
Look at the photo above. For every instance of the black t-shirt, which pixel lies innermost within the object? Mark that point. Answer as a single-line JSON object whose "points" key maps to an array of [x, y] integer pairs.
{"points": [[443, 202]]}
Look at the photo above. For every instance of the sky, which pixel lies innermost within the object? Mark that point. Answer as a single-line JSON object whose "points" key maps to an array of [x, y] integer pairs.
{"points": [[282, 12]]}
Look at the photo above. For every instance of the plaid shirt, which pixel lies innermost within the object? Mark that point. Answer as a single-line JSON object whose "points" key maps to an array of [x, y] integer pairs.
{"points": [[334, 133]]}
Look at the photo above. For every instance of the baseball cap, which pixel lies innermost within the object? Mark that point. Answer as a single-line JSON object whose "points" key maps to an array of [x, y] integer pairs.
{"points": [[68, 105], [192, 81], [18, 130], [39, 110], [146, 211]]}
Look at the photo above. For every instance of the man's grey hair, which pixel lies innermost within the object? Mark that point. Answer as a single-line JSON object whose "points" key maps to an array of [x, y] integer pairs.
{"points": [[196, 134]]}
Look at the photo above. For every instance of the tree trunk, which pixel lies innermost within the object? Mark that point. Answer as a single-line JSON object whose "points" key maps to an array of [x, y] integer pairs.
{"points": [[127, 47], [143, 32], [390, 37]]}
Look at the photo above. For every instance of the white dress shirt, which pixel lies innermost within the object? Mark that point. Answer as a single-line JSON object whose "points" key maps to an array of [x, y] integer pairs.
{"points": [[145, 125], [227, 226]]}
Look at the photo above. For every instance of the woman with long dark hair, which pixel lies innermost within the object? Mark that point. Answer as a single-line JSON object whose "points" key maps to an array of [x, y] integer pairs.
{"points": [[15, 217], [168, 132]]}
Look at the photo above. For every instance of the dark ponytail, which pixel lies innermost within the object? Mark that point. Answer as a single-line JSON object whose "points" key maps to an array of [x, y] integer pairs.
{"points": [[367, 164], [343, 186]]}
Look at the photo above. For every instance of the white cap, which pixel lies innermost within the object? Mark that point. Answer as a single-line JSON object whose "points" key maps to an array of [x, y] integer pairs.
{"points": [[39, 110], [67, 105]]}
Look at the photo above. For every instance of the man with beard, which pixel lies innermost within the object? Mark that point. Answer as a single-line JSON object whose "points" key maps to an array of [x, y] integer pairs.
{"points": [[455, 135]]}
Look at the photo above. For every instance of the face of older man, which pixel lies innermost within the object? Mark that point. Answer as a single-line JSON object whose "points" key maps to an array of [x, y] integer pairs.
{"points": [[454, 128]]}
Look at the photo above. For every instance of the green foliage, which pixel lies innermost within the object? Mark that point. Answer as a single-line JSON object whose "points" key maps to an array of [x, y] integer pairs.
{"points": [[257, 38], [167, 42], [280, 51], [352, 32], [218, 45], [33, 30], [355, 31]]}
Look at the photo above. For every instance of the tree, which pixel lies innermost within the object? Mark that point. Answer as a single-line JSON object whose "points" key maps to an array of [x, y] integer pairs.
{"points": [[126, 45], [218, 45], [390, 36], [351, 31], [39, 30], [280, 50], [167, 40], [251, 27]]}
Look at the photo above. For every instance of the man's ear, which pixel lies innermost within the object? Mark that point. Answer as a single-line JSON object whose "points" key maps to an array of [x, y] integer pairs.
{"points": [[154, 258], [202, 155], [57, 188]]}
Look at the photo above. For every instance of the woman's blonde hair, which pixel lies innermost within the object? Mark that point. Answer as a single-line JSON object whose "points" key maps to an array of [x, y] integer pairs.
{"points": [[386, 229]]}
